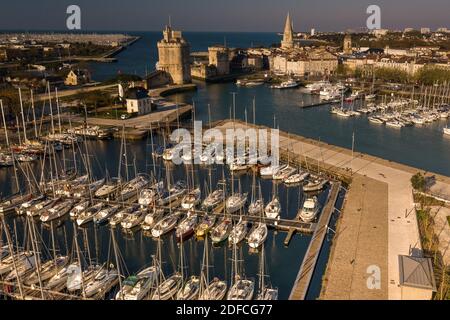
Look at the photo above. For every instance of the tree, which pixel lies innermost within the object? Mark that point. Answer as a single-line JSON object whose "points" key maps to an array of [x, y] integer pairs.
{"points": [[418, 182], [430, 75]]}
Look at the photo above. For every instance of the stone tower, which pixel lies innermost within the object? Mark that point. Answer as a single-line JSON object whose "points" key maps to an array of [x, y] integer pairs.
{"points": [[220, 58], [288, 35], [348, 44], [174, 56]]}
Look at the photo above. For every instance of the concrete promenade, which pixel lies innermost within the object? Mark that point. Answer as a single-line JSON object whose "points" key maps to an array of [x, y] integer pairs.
{"points": [[378, 208]]}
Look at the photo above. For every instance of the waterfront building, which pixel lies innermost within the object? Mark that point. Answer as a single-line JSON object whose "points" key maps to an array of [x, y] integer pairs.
{"points": [[219, 57], [380, 32], [416, 278], [288, 34], [425, 30], [174, 56], [77, 77], [138, 101], [304, 62]]}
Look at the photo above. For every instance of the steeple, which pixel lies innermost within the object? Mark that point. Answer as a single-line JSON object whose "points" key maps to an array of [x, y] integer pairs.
{"points": [[288, 35]]}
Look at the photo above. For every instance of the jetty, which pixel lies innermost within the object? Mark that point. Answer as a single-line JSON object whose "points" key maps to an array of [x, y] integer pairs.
{"points": [[304, 276]]}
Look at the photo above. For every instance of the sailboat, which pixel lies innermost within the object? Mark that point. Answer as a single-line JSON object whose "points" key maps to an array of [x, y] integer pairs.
{"points": [[238, 232], [205, 225], [165, 225], [137, 287], [185, 228], [265, 292]]}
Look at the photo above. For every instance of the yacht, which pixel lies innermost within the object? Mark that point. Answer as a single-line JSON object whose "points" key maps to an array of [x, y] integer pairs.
{"points": [[315, 183], [134, 219], [236, 202], [122, 214], [25, 206], [186, 227], [103, 215], [270, 170], [310, 210], [238, 233], [257, 235], [191, 200], [221, 231], [216, 290], [375, 120], [296, 178], [87, 189], [176, 192], [152, 218], [79, 208], [58, 211], [256, 208], [291, 83], [165, 225], [205, 225], [103, 280], [133, 187], [284, 173], [88, 215], [213, 200], [190, 290], [137, 287], [242, 289], [47, 270], [168, 288], [446, 131], [108, 189]]}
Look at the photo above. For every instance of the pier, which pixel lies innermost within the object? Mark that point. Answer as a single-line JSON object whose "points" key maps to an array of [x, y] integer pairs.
{"points": [[304, 276]]}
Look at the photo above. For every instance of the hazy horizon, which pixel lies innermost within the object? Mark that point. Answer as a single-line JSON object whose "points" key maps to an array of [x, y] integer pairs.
{"points": [[221, 16]]}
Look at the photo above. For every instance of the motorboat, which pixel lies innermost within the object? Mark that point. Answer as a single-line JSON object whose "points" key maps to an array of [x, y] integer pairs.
{"points": [[291, 83], [270, 170], [310, 210]]}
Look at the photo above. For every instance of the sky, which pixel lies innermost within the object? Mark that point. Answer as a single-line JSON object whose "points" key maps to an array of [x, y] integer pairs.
{"points": [[221, 15]]}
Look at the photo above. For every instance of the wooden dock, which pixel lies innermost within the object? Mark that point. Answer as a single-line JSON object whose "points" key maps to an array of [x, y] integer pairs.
{"points": [[304, 276]]}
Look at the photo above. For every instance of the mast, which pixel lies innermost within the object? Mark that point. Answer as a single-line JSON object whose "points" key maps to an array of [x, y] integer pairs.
{"points": [[51, 108], [23, 117], [9, 146], [34, 114]]}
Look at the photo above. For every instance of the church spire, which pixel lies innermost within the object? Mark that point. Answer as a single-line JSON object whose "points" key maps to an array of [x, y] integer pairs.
{"points": [[288, 35]]}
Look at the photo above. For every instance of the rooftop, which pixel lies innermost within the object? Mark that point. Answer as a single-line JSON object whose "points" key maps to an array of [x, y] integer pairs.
{"points": [[416, 272]]}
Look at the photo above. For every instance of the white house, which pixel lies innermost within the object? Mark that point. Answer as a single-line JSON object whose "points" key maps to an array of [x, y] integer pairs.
{"points": [[138, 101]]}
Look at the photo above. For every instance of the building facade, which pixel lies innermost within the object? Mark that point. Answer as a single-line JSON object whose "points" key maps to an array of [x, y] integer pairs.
{"points": [[219, 57], [138, 101], [174, 56]]}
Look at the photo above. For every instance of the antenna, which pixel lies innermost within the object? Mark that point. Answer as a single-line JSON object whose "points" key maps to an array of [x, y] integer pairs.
{"points": [[170, 21]]}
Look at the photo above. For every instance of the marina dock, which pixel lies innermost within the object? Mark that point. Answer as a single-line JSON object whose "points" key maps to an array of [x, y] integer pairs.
{"points": [[303, 280]]}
